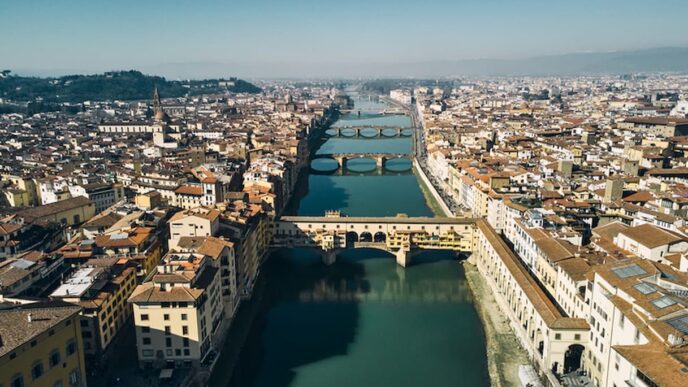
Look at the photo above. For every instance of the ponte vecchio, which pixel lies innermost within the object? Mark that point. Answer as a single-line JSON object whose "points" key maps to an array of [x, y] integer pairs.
{"points": [[400, 235]]}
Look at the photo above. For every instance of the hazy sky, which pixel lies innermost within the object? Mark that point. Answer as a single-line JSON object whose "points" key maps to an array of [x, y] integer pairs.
{"points": [[63, 36]]}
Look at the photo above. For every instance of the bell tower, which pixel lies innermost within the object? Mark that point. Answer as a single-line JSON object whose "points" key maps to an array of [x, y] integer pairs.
{"points": [[156, 100]]}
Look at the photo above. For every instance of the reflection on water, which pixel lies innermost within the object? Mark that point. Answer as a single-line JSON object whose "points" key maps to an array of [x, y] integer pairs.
{"points": [[423, 292], [363, 322]]}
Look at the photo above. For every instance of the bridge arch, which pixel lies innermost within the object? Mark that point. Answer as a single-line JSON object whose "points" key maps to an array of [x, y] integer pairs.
{"points": [[368, 132], [351, 238], [380, 237], [361, 164], [365, 237], [398, 164], [390, 132], [348, 132], [324, 164]]}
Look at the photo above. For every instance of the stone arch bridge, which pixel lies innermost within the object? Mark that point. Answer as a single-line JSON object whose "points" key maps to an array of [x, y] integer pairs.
{"points": [[399, 235], [394, 111], [380, 158], [381, 131]]}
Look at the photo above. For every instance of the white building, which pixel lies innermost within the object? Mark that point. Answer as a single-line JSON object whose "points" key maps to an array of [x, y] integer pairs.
{"points": [[650, 242]]}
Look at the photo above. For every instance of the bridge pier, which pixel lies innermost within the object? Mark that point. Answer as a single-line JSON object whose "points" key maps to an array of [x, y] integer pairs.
{"points": [[380, 162], [329, 256], [403, 257], [341, 160]]}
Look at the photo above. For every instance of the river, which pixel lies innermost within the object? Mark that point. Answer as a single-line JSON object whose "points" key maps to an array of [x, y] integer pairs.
{"points": [[363, 321]]}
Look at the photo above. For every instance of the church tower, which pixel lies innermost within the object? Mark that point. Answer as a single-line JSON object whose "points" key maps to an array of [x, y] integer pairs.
{"points": [[156, 100]]}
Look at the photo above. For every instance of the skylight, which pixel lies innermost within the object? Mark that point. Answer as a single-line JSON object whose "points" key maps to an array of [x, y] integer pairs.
{"points": [[679, 323], [628, 271], [663, 302], [644, 288]]}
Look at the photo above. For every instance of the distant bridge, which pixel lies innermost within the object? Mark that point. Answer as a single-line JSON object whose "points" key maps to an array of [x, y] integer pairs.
{"points": [[400, 235], [380, 158], [380, 131], [387, 111]]}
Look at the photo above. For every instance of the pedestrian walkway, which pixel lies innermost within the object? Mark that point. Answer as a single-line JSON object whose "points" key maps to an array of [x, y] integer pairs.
{"points": [[575, 379]]}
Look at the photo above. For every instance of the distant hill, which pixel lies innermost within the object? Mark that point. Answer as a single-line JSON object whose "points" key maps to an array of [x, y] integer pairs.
{"points": [[670, 59], [116, 85]]}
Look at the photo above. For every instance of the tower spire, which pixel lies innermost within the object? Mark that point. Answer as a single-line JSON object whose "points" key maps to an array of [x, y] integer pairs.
{"points": [[156, 100]]}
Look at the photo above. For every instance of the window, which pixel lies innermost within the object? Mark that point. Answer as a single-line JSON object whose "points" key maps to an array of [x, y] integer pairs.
{"points": [[71, 347], [168, 341], [54, 358], [185, 341], [185, 330], [184, 317], [18, 381], [144, 317], [187, 352], [557, 336], [166, 317], [147, 353], [37, 370], [146, 340], [168, 330], [577, 336], [74, 377], [177, 352], [145, 329]]}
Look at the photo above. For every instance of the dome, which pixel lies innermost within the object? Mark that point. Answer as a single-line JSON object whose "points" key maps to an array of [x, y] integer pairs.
{"points": [[161, 116]]}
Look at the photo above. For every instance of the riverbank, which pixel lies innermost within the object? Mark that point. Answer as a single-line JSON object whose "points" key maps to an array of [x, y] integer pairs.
{"points": [[432, 197], [429, 198], [504, 353]]}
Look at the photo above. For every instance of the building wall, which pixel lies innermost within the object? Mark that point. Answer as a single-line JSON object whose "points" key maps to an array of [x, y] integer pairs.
{"points": [[532, 322], [607, 327], [178, 332], [69, 367], [191, 226], [111, 316]]}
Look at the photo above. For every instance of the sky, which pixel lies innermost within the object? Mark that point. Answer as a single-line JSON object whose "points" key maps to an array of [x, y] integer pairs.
{"points": [[274, 36]]}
